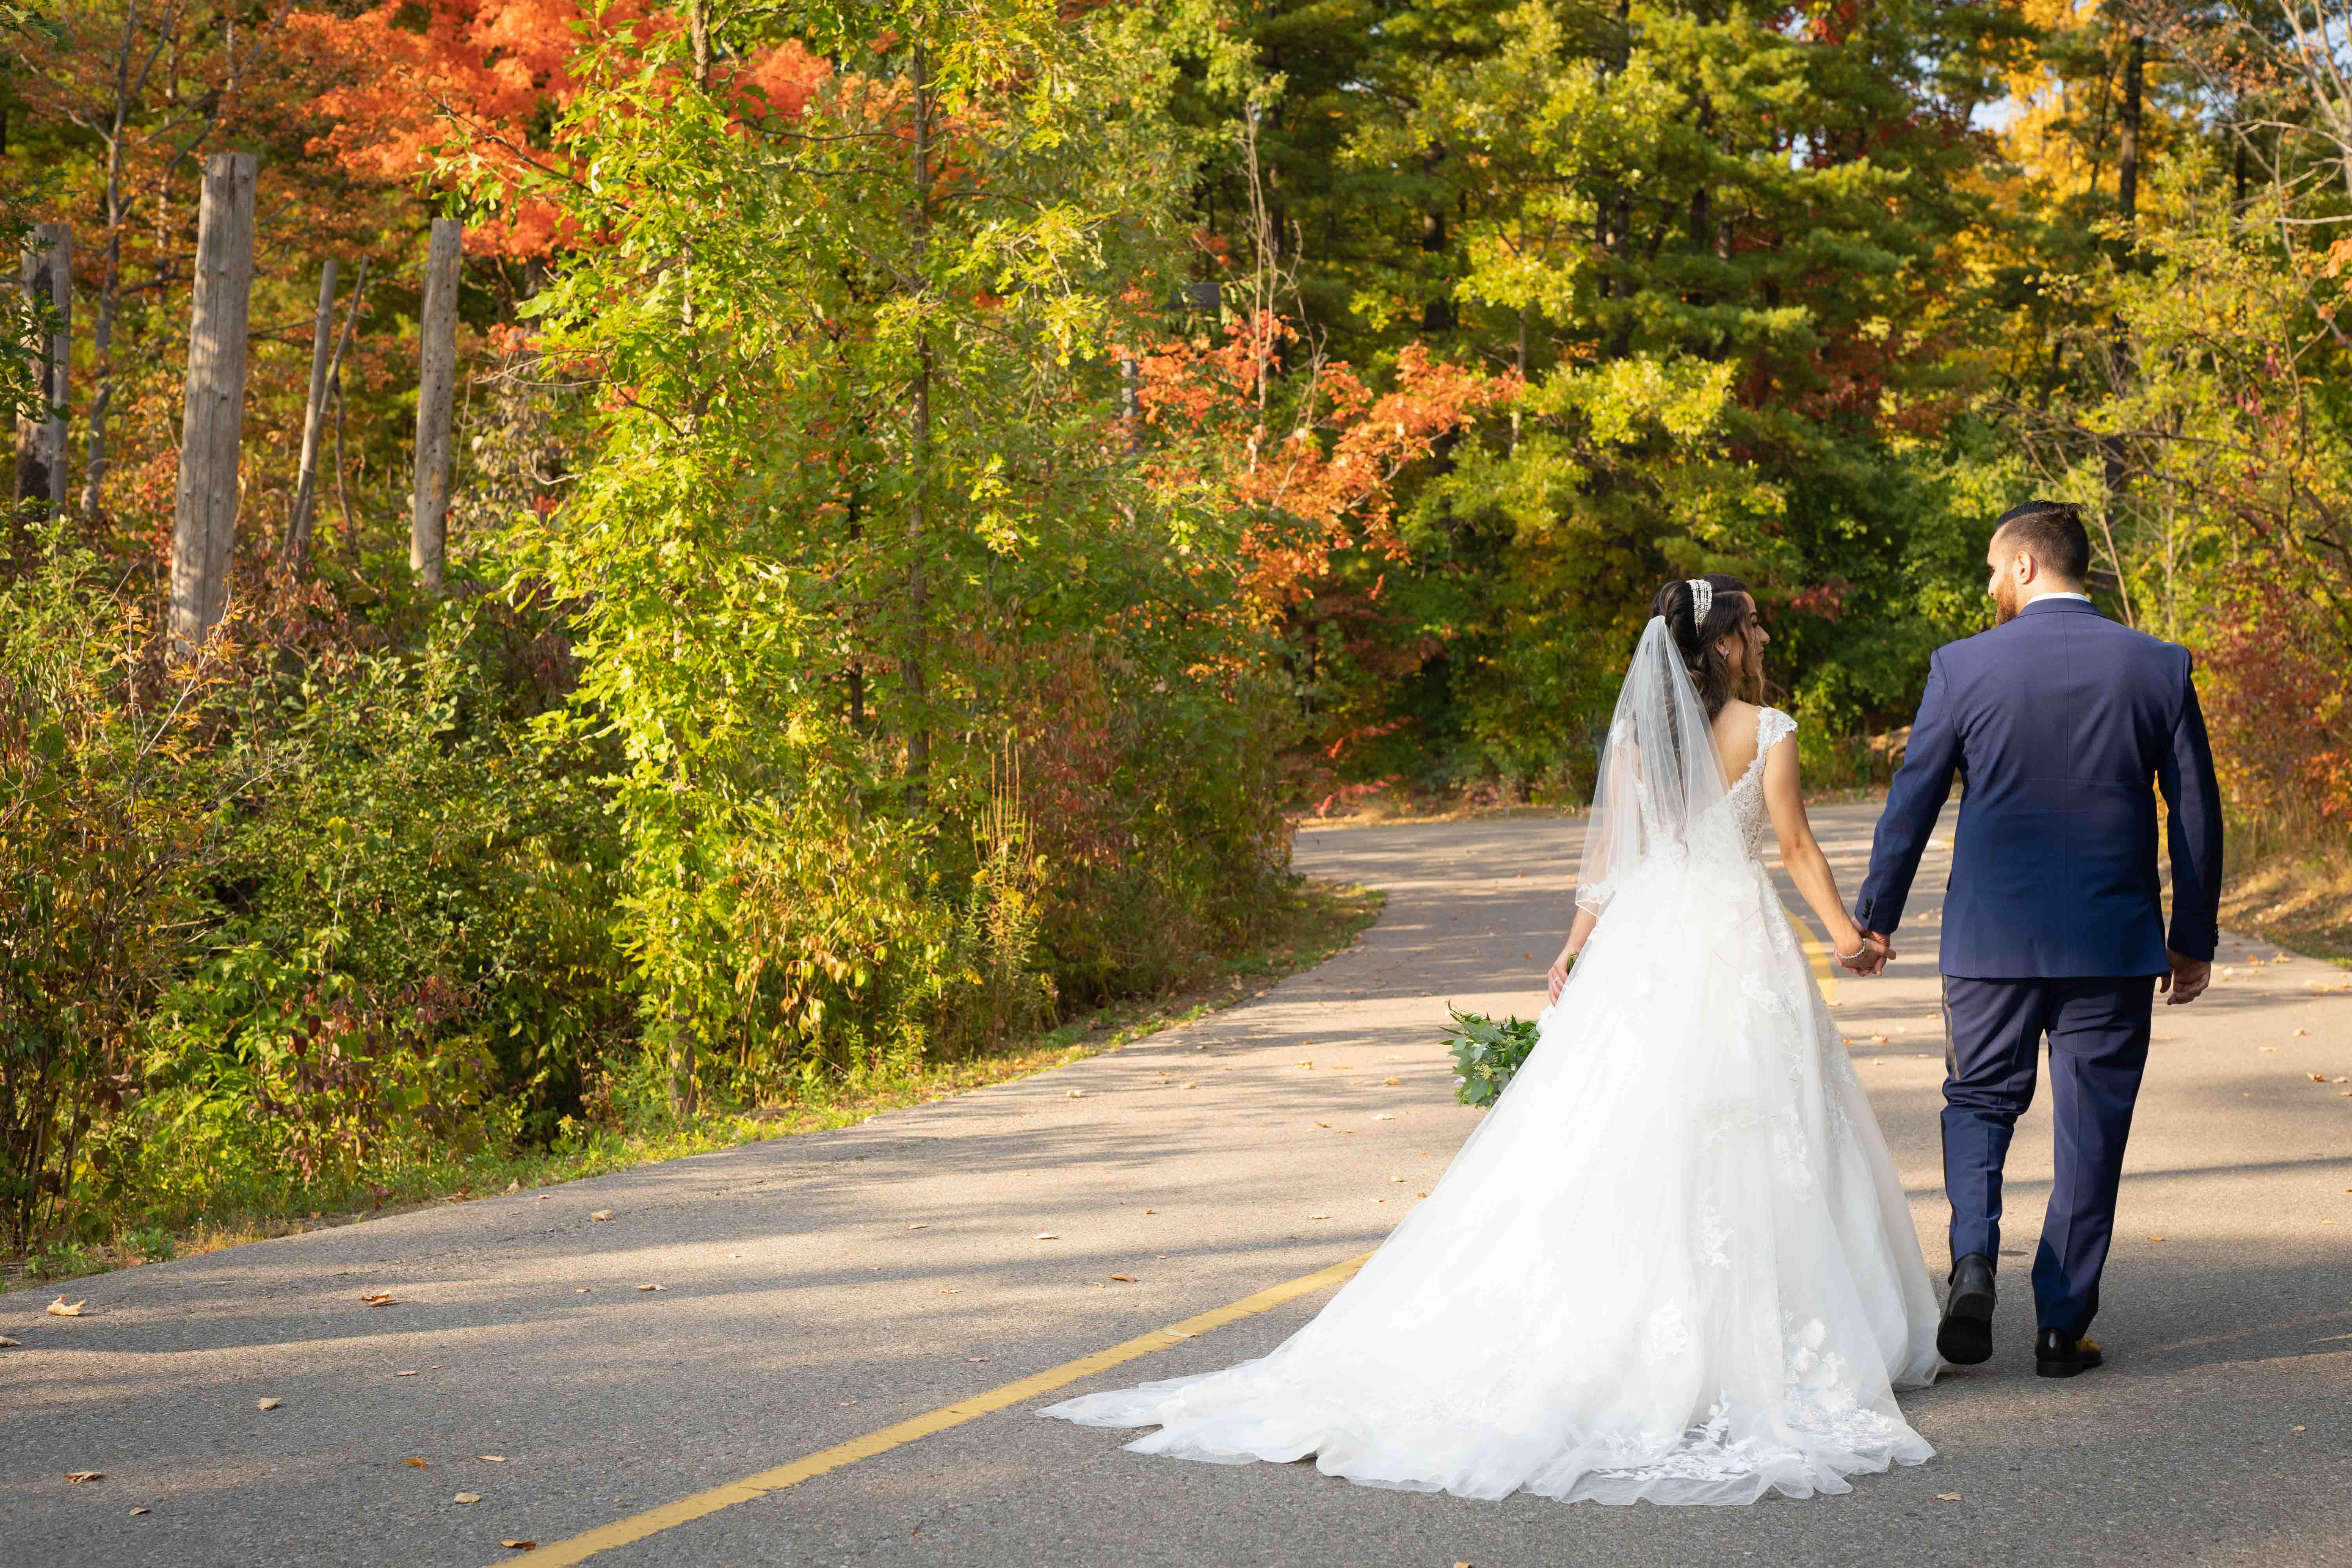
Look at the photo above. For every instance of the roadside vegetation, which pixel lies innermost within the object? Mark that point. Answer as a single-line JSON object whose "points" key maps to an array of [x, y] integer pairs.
{"points": [[940, 493]]}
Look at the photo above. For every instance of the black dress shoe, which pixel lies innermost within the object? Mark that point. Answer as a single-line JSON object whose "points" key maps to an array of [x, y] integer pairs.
{"points": [[2057, 1355], [1965, 1336]]}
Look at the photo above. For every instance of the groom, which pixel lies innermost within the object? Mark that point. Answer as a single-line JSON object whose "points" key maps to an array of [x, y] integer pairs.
{"points": [[2057, 721]]}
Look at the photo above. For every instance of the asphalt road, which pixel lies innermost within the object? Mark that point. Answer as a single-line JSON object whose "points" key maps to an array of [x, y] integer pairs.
{"points": [[820, 1288]]}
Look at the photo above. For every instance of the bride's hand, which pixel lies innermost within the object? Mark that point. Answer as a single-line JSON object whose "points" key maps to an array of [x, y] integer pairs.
{"points": [[1556, 975]]}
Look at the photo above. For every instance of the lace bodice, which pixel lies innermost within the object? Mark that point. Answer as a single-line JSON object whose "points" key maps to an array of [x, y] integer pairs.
{"points": [[1746, 795]]}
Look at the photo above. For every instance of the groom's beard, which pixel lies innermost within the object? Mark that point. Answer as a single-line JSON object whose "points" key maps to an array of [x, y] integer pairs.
{"points": [[2004, 603]]}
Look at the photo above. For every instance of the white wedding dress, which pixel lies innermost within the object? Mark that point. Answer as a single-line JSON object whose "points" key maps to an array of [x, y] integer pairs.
{"points": [[1673, 1263]]}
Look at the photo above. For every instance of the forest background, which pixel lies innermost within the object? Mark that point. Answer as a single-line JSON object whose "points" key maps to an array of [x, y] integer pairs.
{"points": [[944, 486]]}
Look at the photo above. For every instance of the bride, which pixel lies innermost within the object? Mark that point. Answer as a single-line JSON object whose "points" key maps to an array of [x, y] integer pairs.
{"points": [[1673, 1263]]}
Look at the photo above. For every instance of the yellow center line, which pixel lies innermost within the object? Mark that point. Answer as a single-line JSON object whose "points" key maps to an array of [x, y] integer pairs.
{"points": [[670, 1515], [1824, 968]]}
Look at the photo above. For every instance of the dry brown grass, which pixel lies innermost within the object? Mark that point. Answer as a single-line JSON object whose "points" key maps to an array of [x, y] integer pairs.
{"points": [[2293, 888]]}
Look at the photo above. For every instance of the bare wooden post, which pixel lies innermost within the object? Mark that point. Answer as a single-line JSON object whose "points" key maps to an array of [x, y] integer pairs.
{"points": [[41, 443], [204, 521], [429, 521], [314, 419]]}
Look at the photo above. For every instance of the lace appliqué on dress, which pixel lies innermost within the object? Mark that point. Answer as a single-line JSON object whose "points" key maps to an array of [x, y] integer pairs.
{"points": [[1667, 1335], [1709, 1238]]}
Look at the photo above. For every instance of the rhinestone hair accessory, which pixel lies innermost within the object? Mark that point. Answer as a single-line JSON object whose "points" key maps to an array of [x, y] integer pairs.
{"points": [[1702, 601]]}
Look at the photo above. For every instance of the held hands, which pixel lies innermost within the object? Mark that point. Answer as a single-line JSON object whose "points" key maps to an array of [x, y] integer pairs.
{"points": [[2187, 980], [1870, 956]]}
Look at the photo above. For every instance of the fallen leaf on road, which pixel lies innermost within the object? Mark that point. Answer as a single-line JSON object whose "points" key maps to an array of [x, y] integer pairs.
{"points": [[2156, 1238], [1192, 1086], [382, 1299], [1384, 1115], [493, 1458], [2298, 1428], [1077, 1094], [1146, 1211], [59, 1309], [137, 1512], [268, 1403], [1124, 1278], [2300, 1033], [602, 1214], [653, 1287], [2319, 1077], [520, 1545], [1322, 1124], [1319, 1216], [975, 1358], [1176, 1333], [466, 1497], [2270, 1050], [1307, 1064], [1947, 1497], [925, 1227], [7, 1343], [951, 1290], [418, 1463], [76, 1477], [515, 1186], [409, 1372], [1393, 1082], [1047, 1235], [544, 1196]]}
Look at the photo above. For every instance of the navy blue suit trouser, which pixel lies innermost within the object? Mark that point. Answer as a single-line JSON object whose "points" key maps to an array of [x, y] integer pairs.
{"points": [[2098, 1032]]}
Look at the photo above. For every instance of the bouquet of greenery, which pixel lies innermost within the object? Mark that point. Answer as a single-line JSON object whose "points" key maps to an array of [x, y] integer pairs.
{"points": [[1485, 1054]]}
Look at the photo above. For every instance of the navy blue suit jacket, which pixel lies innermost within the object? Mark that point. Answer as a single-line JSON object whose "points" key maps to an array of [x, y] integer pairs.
{"points": [[2056, 723]]}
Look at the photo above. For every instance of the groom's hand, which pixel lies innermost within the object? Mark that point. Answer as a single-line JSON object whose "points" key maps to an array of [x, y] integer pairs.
{"points": [[2187, 980], [1871, 960]]}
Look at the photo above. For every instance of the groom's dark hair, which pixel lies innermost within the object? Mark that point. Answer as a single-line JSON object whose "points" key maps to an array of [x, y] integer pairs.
{"points": [[2051, 532]]}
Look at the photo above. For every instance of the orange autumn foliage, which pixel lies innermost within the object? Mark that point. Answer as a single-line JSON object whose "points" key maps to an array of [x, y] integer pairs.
{"points": [[490, 71], [1326, 484]]}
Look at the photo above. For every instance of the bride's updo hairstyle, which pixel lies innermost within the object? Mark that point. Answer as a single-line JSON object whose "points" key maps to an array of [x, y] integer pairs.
{"points": [[1695, 638]]}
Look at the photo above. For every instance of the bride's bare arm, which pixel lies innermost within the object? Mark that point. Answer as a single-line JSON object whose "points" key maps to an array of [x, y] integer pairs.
{"points": [[1784, 797]]}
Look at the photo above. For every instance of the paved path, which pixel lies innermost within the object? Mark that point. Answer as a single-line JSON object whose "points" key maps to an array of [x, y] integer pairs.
{"points": [[820, 1288]]}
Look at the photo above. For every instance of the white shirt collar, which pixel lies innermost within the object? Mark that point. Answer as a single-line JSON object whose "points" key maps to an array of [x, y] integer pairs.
{"points": [[2059, 594]]}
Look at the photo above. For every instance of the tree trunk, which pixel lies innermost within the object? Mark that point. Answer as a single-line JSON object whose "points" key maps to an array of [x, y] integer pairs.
{"points": [[699, 36], [101, 370], [428, 518], [41, 443], [110, 281], [314, 420], [2115, 467], [1437, 310], [2128, 174], [212, 428], [918, 736], [335, 390]]}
